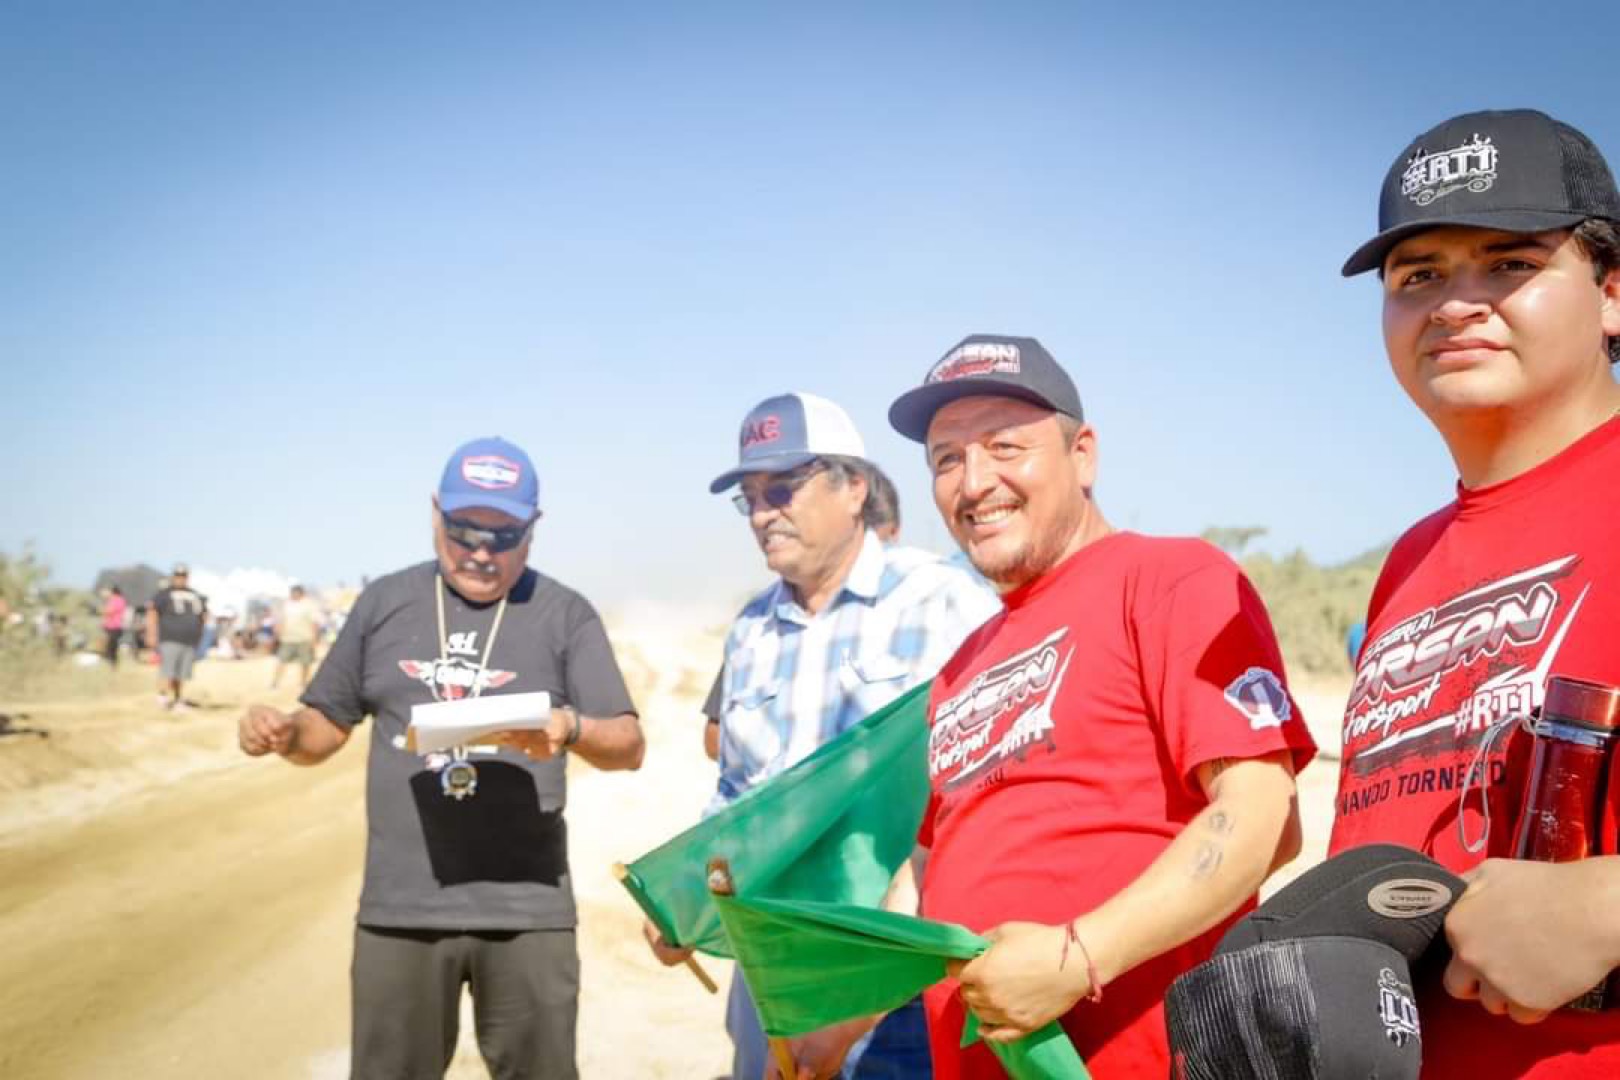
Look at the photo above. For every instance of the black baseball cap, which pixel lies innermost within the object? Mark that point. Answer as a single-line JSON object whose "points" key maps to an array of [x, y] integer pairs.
{"points": [[1316, 983], [994, 364], [1516, 170]]}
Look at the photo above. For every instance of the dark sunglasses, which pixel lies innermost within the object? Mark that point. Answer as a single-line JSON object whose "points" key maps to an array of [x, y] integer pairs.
{"points": [[779, 493], [472, 536]]}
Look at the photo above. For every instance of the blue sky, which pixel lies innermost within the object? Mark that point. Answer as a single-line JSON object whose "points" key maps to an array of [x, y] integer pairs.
{"points": [[263, 266]]}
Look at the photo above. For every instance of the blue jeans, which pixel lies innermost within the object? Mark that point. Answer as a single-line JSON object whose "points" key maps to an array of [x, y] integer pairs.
{"points": [[896, 1050]]}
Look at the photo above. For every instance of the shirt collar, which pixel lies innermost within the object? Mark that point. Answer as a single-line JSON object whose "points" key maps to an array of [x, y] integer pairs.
{"points": [[864, 581]]}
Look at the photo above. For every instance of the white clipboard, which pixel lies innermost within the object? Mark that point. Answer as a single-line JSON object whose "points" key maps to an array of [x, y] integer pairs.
{"points": [[440, 725]]}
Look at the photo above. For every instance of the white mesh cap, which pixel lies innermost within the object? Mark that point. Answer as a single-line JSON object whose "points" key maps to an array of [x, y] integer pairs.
{"points": [[783, 432]]}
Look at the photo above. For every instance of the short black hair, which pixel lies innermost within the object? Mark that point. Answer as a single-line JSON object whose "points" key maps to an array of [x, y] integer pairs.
{"points": [[1599, 240]]}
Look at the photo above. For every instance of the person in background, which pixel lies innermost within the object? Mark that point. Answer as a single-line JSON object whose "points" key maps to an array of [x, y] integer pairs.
{"points": [[114, 612], [297, 630], [174, 623], [1352, 641]]}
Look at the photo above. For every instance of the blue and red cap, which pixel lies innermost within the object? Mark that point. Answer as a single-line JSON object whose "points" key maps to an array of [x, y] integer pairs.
{"points": [[783, 432], [490, 473]]}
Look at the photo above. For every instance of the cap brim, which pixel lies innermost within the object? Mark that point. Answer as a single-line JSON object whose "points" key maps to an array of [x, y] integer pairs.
{"points": [[914, 410], [1371, 255], [471, 500], [775, 463]]}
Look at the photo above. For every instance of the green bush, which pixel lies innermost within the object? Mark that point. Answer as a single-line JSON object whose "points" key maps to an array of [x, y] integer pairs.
{"points": [[1312, 607], [28, 657]]}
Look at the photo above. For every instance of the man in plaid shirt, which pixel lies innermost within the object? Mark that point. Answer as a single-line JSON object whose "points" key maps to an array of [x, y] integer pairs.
{"points": [[847, 627]]}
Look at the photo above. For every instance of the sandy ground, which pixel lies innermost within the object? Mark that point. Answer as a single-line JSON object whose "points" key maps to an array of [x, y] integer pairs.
{"points": [[169, 908]]}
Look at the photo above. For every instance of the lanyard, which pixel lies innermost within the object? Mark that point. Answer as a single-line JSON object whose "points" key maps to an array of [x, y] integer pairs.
{"points": [[459, 777], [444, 641]]}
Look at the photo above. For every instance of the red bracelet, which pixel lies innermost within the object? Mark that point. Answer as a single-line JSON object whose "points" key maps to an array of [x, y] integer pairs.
{"points": [[1095, 995]]}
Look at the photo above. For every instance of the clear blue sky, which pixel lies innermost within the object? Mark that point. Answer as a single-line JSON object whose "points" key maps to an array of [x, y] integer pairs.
{"points": [[262, 266]]}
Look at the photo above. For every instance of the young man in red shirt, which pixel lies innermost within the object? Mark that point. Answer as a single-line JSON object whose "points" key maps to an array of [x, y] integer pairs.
{"points": [[1499, 253], [1112, 756]]}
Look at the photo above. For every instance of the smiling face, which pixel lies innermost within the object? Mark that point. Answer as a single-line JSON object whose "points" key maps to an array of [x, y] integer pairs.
{"points": [[1012, 482], [480, 575], [1479, 321]]}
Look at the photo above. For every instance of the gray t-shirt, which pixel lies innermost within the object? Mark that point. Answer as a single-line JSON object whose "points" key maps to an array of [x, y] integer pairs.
{"points": [[497, 860]]}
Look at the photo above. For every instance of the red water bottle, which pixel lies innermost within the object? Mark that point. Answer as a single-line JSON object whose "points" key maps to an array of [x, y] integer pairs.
{"points": [[1562, 816]]}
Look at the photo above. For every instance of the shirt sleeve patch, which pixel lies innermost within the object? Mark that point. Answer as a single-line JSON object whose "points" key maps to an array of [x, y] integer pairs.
{"points": [[1259, 695]]}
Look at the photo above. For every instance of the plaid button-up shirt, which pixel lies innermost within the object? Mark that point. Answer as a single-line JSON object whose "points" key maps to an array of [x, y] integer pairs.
{"points": [[793, 680]]}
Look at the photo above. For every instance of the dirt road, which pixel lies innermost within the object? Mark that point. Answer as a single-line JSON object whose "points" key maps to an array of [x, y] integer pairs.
{"points": [[169, 908], [201, 925]]}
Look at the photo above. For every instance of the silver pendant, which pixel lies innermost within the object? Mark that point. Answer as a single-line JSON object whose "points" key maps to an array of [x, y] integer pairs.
{"points": [[459, 779]]}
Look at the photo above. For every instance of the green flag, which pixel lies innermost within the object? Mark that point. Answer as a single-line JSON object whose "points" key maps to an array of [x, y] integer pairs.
{"points": [[835, 827], [809, 965]]}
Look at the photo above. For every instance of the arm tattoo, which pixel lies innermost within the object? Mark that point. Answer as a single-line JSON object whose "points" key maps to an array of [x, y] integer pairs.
{"points": [[1220, 823], [1207, 861]]}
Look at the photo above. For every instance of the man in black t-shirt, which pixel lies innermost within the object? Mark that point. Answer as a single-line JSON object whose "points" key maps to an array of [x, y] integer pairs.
{"points": [[174, 620], [467, 877]]}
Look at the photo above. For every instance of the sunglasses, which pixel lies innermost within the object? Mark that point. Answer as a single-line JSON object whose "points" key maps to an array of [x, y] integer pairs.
{"points": [[472, 536], [779, 493]]}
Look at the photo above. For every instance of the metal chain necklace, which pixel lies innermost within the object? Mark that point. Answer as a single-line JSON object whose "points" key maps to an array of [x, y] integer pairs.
{"points": [[459, 777]]}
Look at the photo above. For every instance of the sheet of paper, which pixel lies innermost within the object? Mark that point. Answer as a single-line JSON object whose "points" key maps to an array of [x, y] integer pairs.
{"points": [[439, 725]]}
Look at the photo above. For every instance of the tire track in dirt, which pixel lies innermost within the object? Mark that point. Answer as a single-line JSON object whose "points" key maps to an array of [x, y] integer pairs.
{"points": [[187, 932]]}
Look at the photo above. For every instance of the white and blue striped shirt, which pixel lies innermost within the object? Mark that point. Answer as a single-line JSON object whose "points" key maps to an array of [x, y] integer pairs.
{"points": [[794, 680]]}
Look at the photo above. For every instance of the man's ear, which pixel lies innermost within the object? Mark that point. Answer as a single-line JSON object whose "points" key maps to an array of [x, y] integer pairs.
{"points": [[1083, 452], [1610, 313], [859, 489]]}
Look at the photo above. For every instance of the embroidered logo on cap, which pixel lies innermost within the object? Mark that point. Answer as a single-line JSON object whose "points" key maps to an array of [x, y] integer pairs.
{"points": [[765, 429], [977, 358], [1396, 1008], [1259, 695], [1432, 176], [490, 472]]}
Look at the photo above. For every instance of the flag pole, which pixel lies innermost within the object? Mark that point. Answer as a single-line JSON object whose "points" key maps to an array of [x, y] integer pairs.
{"points": [[620, 872], [720, 884]]}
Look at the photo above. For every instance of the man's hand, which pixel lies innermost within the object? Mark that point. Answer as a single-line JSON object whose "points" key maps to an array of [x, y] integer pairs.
{"points": [[1025, 980], [545, 743], [1528, 937], [264, 730], [668, 955], [820, 1054]]}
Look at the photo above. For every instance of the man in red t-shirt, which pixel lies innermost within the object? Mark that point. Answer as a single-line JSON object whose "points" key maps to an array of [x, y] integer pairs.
{"points": [[1112, 756], [1499, 252]]}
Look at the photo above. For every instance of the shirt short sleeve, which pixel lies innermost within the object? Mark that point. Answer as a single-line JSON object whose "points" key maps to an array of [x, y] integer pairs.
{"points": [[594, 684], [925, 831], [1213, 672]]}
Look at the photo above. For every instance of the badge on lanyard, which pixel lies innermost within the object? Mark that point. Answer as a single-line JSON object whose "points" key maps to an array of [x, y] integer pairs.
{"points": [[458, 779]]}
